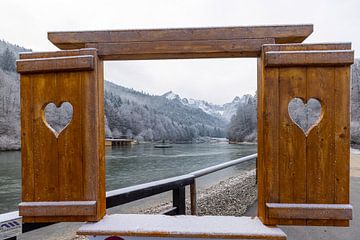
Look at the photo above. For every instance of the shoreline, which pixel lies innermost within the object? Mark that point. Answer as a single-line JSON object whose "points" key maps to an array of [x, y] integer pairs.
{"points": [[231, 196]]}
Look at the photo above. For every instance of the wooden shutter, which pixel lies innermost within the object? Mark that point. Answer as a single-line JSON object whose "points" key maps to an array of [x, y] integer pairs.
{"points": [[303, 179], [63, 175]]}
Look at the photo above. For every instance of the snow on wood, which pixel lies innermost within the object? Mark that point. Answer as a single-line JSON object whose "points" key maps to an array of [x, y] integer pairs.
{"points": [[140, 225]]}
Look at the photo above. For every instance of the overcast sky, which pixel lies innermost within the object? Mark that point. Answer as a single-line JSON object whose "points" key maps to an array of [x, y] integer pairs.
{"points": [[216, 80]]}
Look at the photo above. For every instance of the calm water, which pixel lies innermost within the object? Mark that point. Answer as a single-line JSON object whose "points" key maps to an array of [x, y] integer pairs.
{"points": [[126, 166]]}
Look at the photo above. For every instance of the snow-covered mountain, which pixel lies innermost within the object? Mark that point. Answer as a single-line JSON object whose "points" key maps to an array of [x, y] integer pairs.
{"points": [[225, 111]]}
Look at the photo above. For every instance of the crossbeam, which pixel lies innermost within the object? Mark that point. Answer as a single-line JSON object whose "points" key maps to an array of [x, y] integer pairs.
{"points": [[181, 43]]}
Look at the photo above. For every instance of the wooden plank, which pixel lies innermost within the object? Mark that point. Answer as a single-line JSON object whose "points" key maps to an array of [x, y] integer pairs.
{"points": [[45, 148], [281, 34], [181, 49], [292, 141], [320, 160], [62, 208], [78, 63], [141, 225], [27, 166], [60, 169], [90, 135], [260, 166], [342, 137], [101, 211], [54, 54], [312, 58], [271, 137], [68, 88], [306, 46], [310, 211]]}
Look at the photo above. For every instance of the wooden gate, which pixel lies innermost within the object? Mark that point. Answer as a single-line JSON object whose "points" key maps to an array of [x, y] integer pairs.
{"points": [[303, 176], [63, 172]]}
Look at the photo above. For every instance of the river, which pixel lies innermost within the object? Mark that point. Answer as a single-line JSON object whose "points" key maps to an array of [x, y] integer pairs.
{"points": [[127, 166]]}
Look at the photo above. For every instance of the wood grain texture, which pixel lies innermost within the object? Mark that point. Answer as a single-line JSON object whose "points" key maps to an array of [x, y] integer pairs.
{"points": [[306, 47], [281, 34], [54, 54], [64, 167], [181, 49], [312, 168], [292, 141], [260, 166], [64, 208], [312, 58], [310, 211], [342, 136], [58, 64]]}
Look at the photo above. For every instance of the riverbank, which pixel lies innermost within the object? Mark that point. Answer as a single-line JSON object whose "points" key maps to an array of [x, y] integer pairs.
{"points": [[231, 196]]}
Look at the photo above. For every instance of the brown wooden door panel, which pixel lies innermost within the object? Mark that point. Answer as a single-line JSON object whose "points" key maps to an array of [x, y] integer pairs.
{"points": [[62, 173], [304, 176]]}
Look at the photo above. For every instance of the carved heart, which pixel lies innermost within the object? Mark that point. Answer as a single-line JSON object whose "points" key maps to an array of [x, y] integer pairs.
{"points": [[305, 116], [57, 118]]}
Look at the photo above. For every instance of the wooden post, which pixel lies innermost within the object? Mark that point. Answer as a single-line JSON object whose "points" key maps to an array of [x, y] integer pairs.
{"points": [[179, 200], [303, 176], [193, 198], [63, 172]]}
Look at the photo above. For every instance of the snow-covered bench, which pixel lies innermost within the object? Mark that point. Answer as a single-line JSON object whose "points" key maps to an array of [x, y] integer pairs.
{"points": [[141, 226]]}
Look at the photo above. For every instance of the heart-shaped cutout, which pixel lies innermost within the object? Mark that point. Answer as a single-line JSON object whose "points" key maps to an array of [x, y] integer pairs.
{"points": [[307, 115], [57, 118]]}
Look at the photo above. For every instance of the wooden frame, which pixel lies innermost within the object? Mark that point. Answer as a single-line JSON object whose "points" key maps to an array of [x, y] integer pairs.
{"points": [[276, 47], [304, 179], [63, 175], [188, 43]]}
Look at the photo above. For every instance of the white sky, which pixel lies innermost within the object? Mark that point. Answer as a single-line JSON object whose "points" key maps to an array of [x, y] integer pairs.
{"points": [[217, 80]]}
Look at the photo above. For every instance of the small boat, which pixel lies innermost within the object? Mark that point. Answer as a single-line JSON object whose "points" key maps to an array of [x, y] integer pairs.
{"points": [[163, 146]]}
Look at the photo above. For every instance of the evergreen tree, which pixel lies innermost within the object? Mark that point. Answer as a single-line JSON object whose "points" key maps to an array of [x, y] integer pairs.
{"points": [[7, 61]]}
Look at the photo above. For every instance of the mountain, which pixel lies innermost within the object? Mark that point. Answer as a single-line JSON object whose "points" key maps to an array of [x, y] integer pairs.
{"points": [[225, 111], [152, 117]]}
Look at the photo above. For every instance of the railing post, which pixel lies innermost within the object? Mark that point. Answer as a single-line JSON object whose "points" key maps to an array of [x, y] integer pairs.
{"points": [[193, 197], [179, 200]]}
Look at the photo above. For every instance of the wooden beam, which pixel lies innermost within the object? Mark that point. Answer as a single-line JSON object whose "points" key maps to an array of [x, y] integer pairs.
{"points": [[311, 58], [310, 211], [278, 34], [63, 53], [75, 63], [180, 49], [307, 46], [64, 208]]}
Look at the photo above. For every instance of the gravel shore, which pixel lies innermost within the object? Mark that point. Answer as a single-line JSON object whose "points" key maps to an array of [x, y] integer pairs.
{"points": [[230, 197]]}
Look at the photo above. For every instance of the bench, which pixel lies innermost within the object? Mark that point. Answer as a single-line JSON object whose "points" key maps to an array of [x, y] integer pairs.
{"points": [[214, 227]]}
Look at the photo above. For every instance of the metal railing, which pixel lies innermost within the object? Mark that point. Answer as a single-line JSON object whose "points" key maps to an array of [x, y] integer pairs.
{"points": [[129, 194]]}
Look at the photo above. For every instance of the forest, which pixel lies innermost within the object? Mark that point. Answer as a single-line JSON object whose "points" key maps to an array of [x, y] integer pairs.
{"points": [[144, 117]]}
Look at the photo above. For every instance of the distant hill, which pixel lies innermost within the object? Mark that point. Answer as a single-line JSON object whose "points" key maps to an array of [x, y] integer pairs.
{"points": [[355, 104], [152, 117], [9, 96], [127, 112]]}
